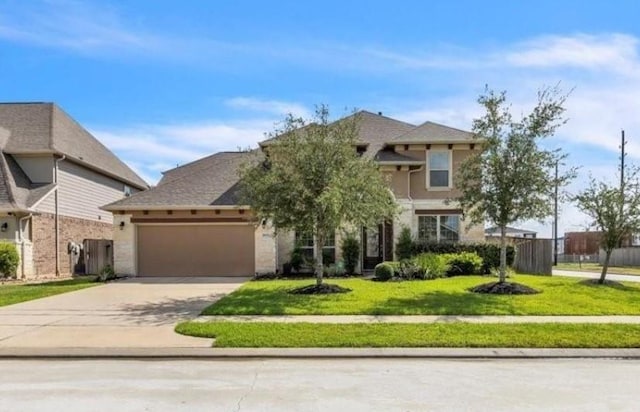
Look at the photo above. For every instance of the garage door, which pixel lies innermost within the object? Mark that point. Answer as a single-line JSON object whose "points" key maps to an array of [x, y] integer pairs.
{"points": [[196, 250]]}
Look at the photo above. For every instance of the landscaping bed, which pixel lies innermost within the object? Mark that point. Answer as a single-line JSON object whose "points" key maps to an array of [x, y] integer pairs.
{"points": [[16, 293], [457, 335], [447, 296]]}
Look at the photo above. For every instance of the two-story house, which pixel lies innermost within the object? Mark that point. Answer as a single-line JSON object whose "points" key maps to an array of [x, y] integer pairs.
{"points": [[54, 176], [191, 223]]}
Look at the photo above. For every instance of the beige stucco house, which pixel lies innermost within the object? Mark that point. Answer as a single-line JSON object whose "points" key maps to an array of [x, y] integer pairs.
{"points": [[191, 223], [54, 176]]}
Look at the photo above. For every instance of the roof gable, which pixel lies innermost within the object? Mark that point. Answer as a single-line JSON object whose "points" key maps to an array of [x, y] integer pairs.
{"points": [[31, 128], [430, 132]]}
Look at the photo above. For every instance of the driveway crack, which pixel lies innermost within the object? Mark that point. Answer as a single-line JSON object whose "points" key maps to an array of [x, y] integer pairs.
{"points": [[251, 388]]}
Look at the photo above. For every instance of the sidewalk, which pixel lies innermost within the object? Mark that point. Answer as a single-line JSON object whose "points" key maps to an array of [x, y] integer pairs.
{"points": [[593, 275], [420, 319]]}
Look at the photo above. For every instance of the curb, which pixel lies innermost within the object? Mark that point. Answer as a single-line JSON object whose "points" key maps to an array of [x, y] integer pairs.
{"points": [[312, 353]]}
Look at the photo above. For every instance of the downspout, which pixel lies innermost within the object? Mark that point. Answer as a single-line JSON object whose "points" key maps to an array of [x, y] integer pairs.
{"points": [[57, 220], [409, 181], [21, 241]]}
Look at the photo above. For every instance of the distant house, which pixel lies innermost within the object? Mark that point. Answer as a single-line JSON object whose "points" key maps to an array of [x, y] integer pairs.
{"points": [[54, 176], [582, 243], [512, 232]]}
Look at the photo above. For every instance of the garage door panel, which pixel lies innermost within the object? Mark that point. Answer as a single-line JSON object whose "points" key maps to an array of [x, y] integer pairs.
{"points": [[196, 250]]}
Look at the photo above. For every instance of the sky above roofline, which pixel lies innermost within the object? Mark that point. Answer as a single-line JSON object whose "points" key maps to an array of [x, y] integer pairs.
{"points": [[163, 85]]}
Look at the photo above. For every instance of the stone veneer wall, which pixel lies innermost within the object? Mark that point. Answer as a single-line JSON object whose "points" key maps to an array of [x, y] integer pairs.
{"points": [[265, 249], [71, 229]]}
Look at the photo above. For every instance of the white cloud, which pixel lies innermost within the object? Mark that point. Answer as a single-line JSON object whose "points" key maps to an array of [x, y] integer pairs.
{"points": [[275, 107]]}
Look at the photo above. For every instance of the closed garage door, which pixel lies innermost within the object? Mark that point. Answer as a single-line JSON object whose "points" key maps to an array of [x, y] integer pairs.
{"points": [[196, 250]]}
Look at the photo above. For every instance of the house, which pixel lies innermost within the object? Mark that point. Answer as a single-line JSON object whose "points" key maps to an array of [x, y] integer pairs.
{"points": [[582, 243], [54, 176], [191, 223], [511, 233]]}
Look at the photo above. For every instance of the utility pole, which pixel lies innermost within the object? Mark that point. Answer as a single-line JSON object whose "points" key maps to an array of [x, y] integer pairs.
{"points": [[555, 222], [622, 156]]}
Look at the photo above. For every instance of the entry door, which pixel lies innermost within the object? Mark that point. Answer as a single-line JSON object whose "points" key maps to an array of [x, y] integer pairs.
{"points": [[372, 247]]}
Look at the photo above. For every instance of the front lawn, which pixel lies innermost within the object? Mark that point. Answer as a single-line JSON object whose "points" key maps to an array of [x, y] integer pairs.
{"points": [[458, 335], [10, 294], [449, 296], [596, 268]]}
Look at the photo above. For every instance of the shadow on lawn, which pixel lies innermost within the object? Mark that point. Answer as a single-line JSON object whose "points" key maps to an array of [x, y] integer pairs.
{"points": [[446, 303], [263, 302]]}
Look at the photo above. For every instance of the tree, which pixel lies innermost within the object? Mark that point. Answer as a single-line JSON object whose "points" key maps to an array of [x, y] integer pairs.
{"points": [[314, 181], [615, 211], [510, 178]]}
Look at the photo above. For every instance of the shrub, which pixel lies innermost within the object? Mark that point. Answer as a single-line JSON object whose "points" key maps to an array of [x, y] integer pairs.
{"points": [[350, 253], [431, 265], [489, 252], [9, 259], [384, 271], [334, 270], [107, 273], [297, 258], [404, 246], [409, 269], [464, 263]]}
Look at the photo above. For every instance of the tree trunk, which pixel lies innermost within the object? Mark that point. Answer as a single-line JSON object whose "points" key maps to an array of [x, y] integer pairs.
{"points": [[503, 254], [605, 266], [319, 245]]}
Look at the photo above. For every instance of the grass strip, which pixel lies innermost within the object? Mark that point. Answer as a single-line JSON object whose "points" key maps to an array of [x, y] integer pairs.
{"points": [[457, 335], [11, 294]]}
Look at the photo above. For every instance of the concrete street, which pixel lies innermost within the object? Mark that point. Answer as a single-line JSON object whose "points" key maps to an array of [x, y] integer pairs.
{"points": [[132, 313], [319, 385], [593, 275]]}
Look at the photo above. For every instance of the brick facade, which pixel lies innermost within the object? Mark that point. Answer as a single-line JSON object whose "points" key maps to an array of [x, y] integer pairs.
{"points": [[71, 229]]}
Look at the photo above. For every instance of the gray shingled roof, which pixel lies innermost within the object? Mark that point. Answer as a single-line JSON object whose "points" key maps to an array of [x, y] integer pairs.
{"points": [[510, 231], [429, 132], [393, 157], [17, 192], [29, 128], [211, 181]]}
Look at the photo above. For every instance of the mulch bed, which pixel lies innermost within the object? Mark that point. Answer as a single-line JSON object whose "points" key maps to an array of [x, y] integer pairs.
{"points": [[323, 289], [596, 282], [505, 288]]}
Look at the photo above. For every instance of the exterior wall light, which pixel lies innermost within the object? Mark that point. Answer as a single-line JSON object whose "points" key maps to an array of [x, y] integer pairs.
{"points": [[122, 225]]}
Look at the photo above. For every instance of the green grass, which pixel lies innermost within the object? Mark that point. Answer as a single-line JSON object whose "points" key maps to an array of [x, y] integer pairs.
{"points": [[596, 268], [560, 296], [10, 294], [304, 335]]}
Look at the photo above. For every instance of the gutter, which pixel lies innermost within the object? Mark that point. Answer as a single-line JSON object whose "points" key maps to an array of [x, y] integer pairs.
{"points": [[57, 215]]}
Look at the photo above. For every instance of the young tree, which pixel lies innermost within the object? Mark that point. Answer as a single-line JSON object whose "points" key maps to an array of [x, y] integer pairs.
{"points": [[314, 181], [615, 211], [511, 178]]}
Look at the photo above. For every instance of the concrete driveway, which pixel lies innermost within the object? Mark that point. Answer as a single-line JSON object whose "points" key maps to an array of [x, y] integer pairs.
{"points": [[136, 313]]}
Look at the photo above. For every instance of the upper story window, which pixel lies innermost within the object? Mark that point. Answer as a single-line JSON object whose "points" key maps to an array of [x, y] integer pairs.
{"points": [[127, 190], [439, 169]]}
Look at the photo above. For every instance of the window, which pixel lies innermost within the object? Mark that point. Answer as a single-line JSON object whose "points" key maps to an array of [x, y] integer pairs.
{"points": [[439, 167], [444, 228], [127, 190], [306, 244]]}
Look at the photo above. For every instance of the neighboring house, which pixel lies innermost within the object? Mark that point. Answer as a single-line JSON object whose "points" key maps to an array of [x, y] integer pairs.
{"points": [[582, 243], [511, 232], [54, 176], [191, 223]]}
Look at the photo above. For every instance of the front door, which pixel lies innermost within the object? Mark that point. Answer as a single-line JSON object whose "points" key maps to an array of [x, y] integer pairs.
{"points": [[372, 242]]}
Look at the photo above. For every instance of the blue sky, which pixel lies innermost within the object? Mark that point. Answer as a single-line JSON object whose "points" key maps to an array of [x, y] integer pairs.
{"points": [[163, 84]]}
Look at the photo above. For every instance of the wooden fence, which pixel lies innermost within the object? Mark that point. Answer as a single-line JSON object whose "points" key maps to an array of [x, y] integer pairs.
{"points": [[534, 256], [98, 253], [626, 256]]}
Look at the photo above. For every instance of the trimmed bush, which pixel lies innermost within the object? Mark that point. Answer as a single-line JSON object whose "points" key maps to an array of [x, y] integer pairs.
{"points": [[409, 269], [9, 260], [384, 271], [404, 246], [465, 263], [350, 253], [432, 266], [297, 259], [489, 252]]}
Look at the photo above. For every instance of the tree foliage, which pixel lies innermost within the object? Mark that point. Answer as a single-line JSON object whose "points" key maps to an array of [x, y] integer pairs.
{"points": [[314, 181], [614, 210], [511, 178]]}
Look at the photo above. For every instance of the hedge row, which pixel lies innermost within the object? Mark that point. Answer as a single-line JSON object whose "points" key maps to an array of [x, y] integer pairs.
{"points": [[489, 252]]}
